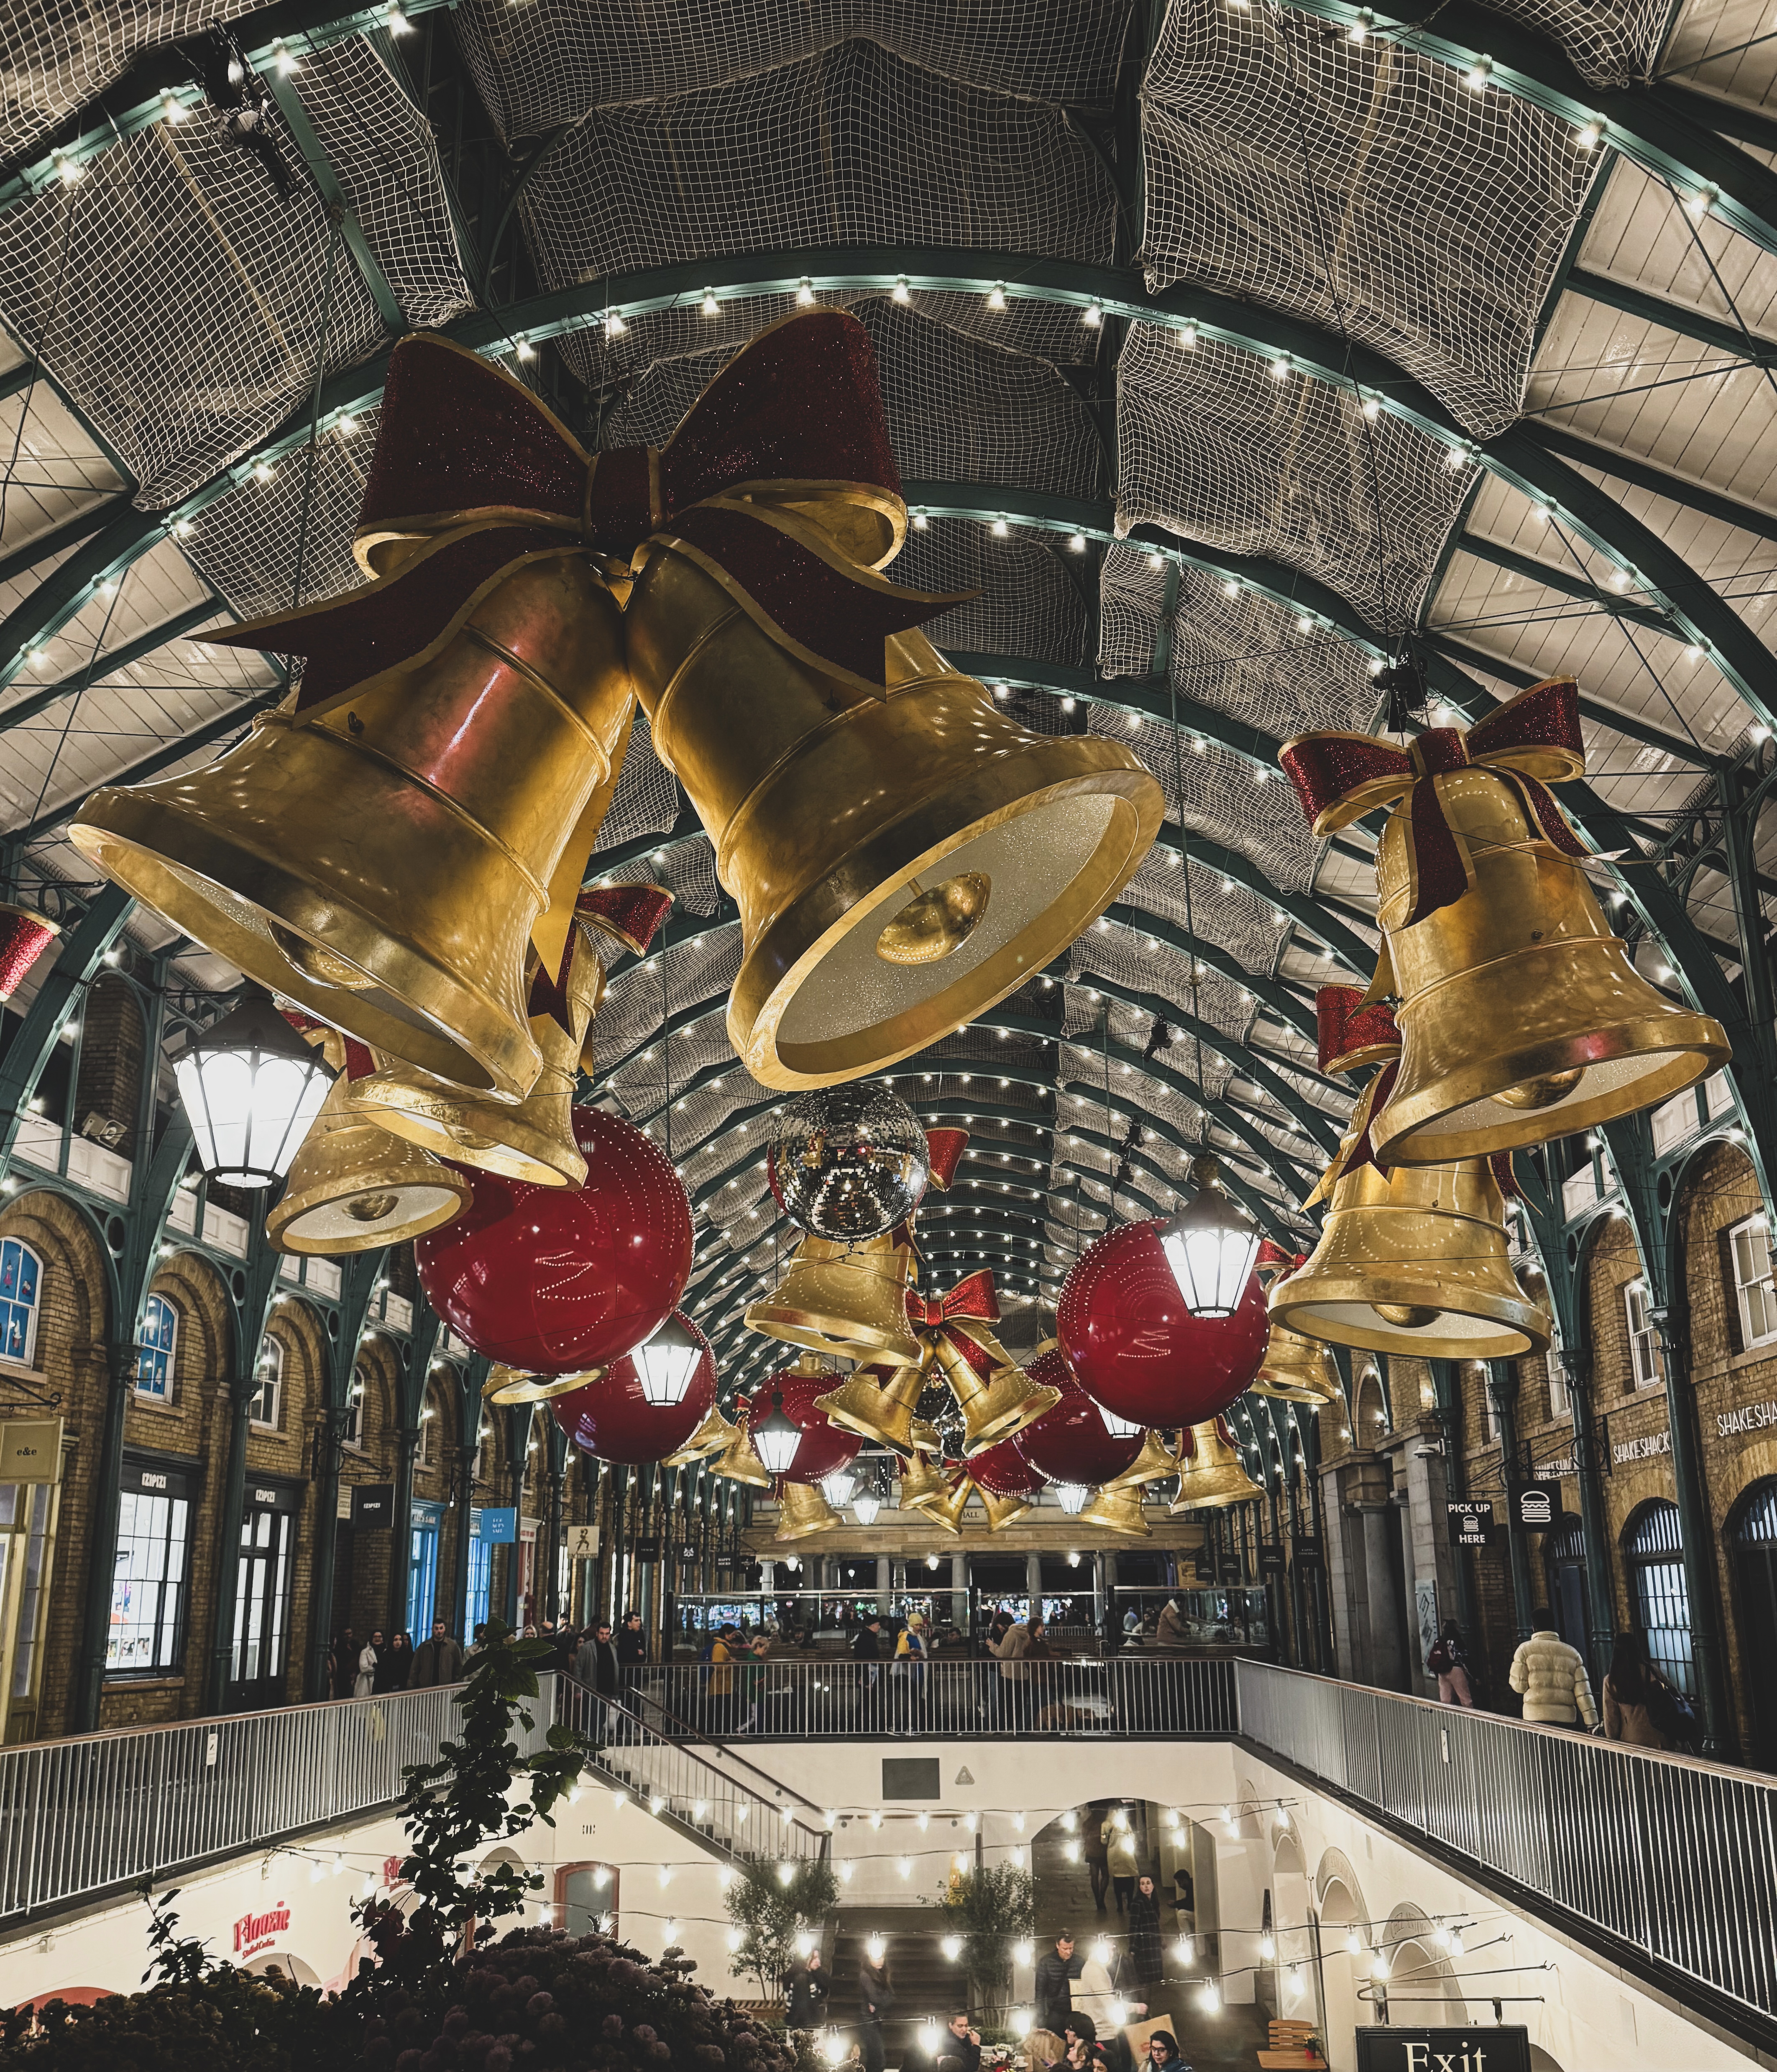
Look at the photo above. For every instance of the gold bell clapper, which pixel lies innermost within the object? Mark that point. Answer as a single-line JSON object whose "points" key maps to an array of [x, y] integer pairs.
{"points": [[381, 845], [714, 1435], [1296, 1370], [1521, 1016], [352, 1187], [1117, 1510], [850, 1299], [1155, 1463], [1414, 1261], [803, 1511], [1213, 1475], [875, 1409]]}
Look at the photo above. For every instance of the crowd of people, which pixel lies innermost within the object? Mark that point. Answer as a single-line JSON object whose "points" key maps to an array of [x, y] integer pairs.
{"points": [[367, 1667], [1641, 1706]]}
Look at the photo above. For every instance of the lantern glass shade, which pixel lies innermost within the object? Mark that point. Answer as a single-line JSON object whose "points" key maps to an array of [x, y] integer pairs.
{"points": [[666, 1363], [775, 1438], [837, 1487], [865, 1507], [1211, 1247], [1072, 1496], [251, 1088], [1119, 1427]]}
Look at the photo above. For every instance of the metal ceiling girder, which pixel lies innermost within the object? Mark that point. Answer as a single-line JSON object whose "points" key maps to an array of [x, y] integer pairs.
{"points": [[1646, 474], [57, 540], [108, 663], [1119, 291], [1654, 127], [1564, 580], [1298, 1172], [327, 182], [1282, 1002]]}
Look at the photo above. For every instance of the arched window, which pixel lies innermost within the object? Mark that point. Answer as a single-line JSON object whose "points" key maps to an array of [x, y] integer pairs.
{"points": [[268, 1403], [352, 1434], [1655, 1553], [1754, 1545], [154, 1344], [21, 1278]]}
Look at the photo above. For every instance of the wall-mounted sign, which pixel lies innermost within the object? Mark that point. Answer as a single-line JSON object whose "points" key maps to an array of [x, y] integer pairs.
{"points": [[1470, 1521], [1270, 1561], [31, 1450], [687, 1550], [1205, 1565], [1729, 1423], [646, 1550], [372, 1507], [259, 1931], [1648, 1447], [1536, 1506], [1567, 1466], [1305, 1548], [1506, 2048], [496, 1524], [582, 1543]]}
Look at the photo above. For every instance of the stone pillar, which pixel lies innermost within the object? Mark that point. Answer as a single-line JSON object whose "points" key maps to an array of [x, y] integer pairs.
{"points": [[119, 1359], [1503, 1386], [1433, 1559], [240, 1394], [1387, 1670], [1033, 1583], [959, 1591], [884, 1583]]}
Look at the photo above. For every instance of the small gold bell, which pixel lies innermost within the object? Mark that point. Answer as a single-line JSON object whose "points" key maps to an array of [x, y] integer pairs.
{"points": [[1000, 1510], [993, 1409], [803, 1511], [884, 1412], [922, 1482], [1117, 1510], [1296, 1370], [738, 1463], [947, 1510], [1213, 1476], [1155, 1463], [506, 1384], [714, 1435]]}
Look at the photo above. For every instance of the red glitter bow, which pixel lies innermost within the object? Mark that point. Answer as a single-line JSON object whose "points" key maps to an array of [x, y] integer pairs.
{"points": [[471, 462], [359, 1064], [945, 1150], [1533, 741], [972, 1298], [1349, 1035]]}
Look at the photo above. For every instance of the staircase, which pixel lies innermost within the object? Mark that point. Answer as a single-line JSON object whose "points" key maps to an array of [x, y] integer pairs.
{"points": [[926, 1985]]}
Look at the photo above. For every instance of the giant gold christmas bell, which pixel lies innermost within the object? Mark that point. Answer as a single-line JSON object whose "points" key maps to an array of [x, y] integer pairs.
{"points": [[1296, 1370], [846, 1299], [1417, 1260], [1002, 1511], [946, 1511], [996, 1396], [1155, 1463], [1213, 1475], [1117, 1510], [1521, 1016], [803, 1511], [381, 846], [507, 1384], [877, 1410], [352, 1187], [714, 1435], [922, 1482], [738, 1462]]}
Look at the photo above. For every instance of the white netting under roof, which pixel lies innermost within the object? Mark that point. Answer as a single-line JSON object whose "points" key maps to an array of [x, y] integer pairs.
{"points": [[687, 869], [246, 541], [548, 64], [853, 146], [386, 160], [1226, 796], [179, 301], [1027, 607], [1610, 45], [57, 55], [646, 802], [641, 1081], [1235, 919], [1276, 146], [1212, 447], [959, 409]]}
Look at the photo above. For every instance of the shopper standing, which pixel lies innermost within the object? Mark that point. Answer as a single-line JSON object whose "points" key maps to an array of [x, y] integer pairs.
{"points": [[1056, 1970], [1119, 1837], [346, 1651], [364, 1683], [438, 1660], [1146, 1959], [393, 1663], [866, 1647], [1448, 1661], [808, 1984], [1551, 1678], [876, 1996]]}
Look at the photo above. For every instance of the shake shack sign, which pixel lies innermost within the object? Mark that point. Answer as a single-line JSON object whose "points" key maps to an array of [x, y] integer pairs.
{"points": [[1502, 2049]]}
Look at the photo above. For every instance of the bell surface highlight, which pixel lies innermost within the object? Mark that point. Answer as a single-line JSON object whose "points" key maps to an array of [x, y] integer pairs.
{"points": [[847, 1300], [1213, 1476], [878, 1402], [1415, 1261], [848, 1163], [353, 1187], [803, 1511], [1297, 1370]]}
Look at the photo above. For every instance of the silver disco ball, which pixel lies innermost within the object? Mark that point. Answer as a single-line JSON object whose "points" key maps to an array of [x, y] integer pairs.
{"points": [[848, 1162]]}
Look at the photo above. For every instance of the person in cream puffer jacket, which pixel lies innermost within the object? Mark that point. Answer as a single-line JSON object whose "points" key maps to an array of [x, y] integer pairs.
{"points": [[1551, 1678]]}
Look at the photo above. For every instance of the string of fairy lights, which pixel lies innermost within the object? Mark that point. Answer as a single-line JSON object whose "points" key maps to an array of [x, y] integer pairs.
{"points": [[1374, 1945]]}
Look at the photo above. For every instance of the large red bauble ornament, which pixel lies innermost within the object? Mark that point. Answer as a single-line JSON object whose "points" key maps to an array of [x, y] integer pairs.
{"points": [[1135, 1348], [825, 1445], [612, 1418], [1068, 1443], [553, 1279], [1003, 1470]]}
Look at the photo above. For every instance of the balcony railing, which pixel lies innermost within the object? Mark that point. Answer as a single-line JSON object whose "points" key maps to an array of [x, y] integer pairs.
{"points": [[1077, 1698], [1674, 1858]]}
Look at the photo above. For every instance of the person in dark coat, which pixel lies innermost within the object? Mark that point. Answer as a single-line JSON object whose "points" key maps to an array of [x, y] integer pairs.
{"points": [[596, 1662], [1146, 1955], [808, 1992], [393, 1665], [876, 1996], [346, 1649], [959, 2044], [1056, 1970], [632, 1642]]}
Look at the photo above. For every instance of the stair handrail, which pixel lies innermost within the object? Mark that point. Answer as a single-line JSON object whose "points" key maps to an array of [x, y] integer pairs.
{"points": [[775, 1785]]}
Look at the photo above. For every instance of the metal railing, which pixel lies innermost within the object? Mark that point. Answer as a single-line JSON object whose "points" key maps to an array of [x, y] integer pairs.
{"points": [[665, 1764], [1674, 1857], [1172, 1696], [83, 1817]]}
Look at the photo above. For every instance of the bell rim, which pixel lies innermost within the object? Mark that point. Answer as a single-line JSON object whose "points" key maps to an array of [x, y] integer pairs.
{"points": [[1524, 1324], [795, 941], [507, 1160], [124, 832], [868, 1336], [848, 1419], [1219, 1500], [294, 1207], [1696, 1043], [1294, 1391]]}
